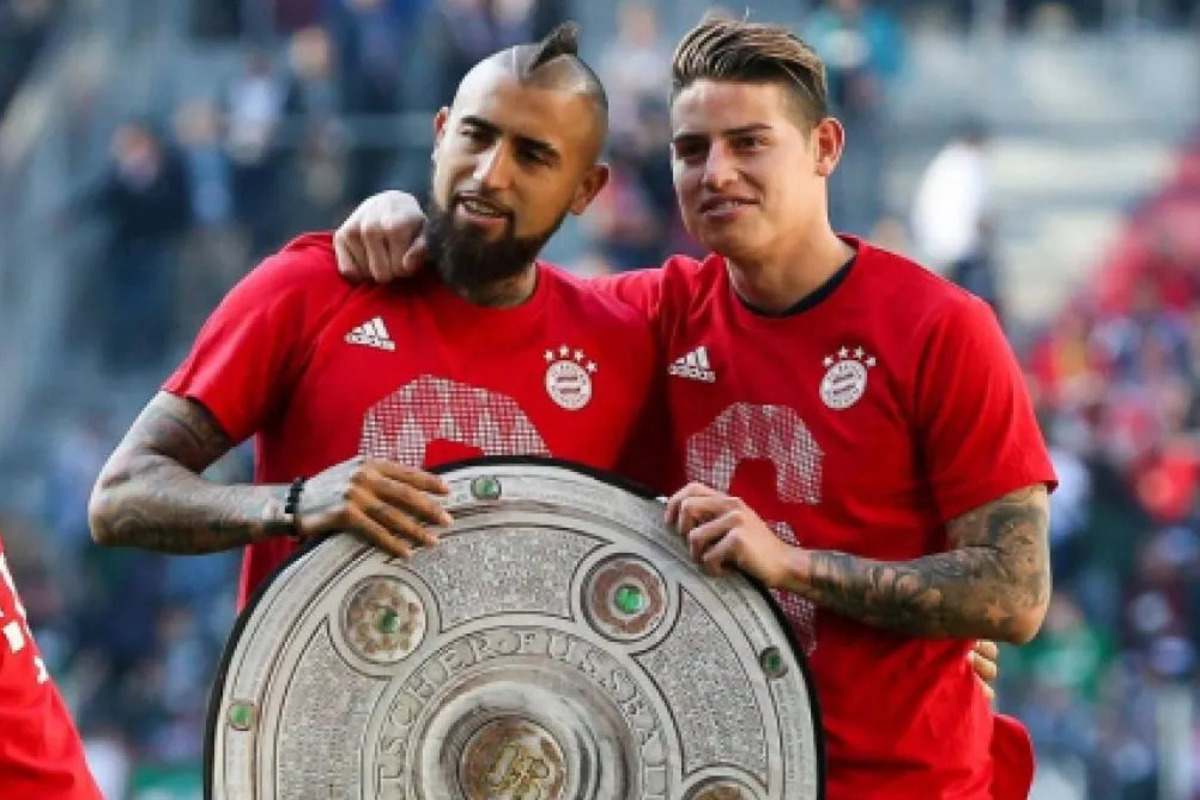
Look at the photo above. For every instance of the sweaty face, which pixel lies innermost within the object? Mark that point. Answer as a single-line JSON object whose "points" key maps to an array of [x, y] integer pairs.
{"points": [[749, 176], [510, 161]]}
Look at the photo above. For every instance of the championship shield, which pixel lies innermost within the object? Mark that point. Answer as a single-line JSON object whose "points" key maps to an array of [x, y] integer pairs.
{"points": [[558, 643]]}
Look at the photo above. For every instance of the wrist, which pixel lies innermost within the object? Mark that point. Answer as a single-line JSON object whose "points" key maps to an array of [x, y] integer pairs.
{"points": [[272, 521], [291, 508], [797, 572]]}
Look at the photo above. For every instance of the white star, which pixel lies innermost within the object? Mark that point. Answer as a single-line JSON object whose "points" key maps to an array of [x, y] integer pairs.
{"points": [[829, 361], [871, 361], [843, 353], [579, 356], [858, 352], [564, 351], [549, 356], [591, 366]]}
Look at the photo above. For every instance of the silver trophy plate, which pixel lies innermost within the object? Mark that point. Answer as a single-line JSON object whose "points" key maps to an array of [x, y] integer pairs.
{"points": [[557, 644]]}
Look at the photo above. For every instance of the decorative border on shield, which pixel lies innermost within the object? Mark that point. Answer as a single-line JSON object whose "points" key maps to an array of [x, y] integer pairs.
{"points": [[214, 695]]}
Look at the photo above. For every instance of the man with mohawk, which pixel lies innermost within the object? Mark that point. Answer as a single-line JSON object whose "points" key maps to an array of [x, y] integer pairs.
{"points": [[353, 392]]}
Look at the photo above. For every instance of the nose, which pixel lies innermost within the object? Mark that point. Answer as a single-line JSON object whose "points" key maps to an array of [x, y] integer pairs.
{"points": [[494, 168], [719, 168]]}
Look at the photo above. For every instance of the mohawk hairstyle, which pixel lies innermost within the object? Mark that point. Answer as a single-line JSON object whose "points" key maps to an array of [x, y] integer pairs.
{"points": [[722, 49], [562, 42]]}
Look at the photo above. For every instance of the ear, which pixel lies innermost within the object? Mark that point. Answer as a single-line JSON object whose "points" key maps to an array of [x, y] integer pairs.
{"points": [[439, 126], [828, 140], [593, 181]]}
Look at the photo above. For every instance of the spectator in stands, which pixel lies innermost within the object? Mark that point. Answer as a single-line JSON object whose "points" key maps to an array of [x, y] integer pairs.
{"points": [[373, 40], [312, 89], [623, 223], [1068, 507], [462, 32], [255, 110], [144, 197], [635, 66], [1069, 363], [322, 164], [1147, 321], [214, 253], [952, 216], [1174, 270]]}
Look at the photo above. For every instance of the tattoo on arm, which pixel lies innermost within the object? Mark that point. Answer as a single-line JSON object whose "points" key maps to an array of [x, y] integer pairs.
{"points": [[994, 583], [151, 494]]}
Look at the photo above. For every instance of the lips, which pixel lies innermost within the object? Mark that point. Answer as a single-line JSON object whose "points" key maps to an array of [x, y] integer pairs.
{"points": [[482, 206], [723, 203]]}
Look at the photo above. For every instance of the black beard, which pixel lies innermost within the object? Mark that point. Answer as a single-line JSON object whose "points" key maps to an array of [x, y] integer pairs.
{"points": [[464, 257]]}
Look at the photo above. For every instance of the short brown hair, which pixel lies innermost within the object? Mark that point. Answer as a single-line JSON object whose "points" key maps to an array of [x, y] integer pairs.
{"points": [[752, 52]]}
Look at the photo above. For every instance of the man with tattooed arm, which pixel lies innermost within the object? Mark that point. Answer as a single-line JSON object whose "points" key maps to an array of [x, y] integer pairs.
{"points": [[353, 392], [855, 429]]}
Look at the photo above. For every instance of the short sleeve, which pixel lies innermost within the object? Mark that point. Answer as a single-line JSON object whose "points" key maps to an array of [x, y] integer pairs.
{"points": [[251, 350], [977, 430]]}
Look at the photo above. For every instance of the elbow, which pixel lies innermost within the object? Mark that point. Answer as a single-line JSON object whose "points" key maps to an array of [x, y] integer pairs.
{"points": [[1025, 627], [1027, 620], [1028, 601], [102, 510]]}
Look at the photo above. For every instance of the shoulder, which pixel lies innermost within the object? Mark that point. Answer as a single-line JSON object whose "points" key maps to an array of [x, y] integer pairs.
{"points": [[912, 296], [307, 260], [301, 278]]}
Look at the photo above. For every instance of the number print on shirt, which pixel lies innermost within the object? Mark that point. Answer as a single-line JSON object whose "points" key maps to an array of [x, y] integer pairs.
{"points": [[750, 432], [403, 424], [16, 634]]}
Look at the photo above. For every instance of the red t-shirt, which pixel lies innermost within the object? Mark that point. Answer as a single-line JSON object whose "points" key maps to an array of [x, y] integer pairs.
{"points": [[41, 755], [319, 370], [863, 422]]}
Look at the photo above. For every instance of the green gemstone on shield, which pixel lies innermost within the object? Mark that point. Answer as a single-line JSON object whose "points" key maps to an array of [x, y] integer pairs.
{"points": [[630, 599], [241, 716], [387, 621], [486, 488], [772, 662]]}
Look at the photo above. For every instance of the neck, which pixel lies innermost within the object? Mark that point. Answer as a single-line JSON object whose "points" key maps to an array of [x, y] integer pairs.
{"points": [[503, 293], [777, 282]]}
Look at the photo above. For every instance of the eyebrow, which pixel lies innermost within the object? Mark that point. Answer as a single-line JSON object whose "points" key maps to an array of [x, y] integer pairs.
{"points": [[728, 133], [546, 150]]}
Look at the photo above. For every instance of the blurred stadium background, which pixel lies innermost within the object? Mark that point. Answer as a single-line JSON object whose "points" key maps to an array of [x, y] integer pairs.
{"points": [[1044, 154]]}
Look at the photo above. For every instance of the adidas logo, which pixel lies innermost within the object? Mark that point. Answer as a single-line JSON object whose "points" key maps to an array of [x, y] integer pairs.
{"points": [[372, 334], [695, 366]]}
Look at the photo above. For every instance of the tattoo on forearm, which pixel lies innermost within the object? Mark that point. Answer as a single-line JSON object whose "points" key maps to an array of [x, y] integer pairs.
{"points": [[151, 494], [990, 585]]}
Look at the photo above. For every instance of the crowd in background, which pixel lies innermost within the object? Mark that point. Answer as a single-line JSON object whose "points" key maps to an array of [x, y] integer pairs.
{"points": [[194, 196], [1116, 377]]}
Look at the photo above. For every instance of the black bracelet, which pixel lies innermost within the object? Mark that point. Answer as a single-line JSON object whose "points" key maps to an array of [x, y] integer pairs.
{"points": [[291, 506]]}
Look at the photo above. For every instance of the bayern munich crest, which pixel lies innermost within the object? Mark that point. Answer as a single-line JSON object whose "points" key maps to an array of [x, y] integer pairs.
{"points": [[569, 374], [845, 378]]}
